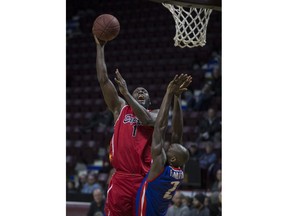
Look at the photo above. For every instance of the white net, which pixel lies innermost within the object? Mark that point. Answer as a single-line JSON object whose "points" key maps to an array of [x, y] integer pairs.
{"points": [[191, 25]]}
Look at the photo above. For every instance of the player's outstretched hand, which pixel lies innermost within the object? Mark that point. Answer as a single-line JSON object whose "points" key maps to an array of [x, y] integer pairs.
{"points": [[184, 86], [121, 83], [179, 84], [99, 42]]}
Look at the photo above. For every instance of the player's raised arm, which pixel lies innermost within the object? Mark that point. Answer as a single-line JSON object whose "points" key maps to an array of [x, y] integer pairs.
{"points": [[177, 116], [160, 127], [111, 97], [146, 117]]}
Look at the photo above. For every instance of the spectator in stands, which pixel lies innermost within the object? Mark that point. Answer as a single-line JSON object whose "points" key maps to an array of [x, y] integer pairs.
{"points": [[209, 157], [100, 120], [213, 62], [71, 187], [187, 201], [193, 150], [210, 127], [216, 85], [97, 206], [91, 184], [189, 98], [178, 209], [217, 184], [199, 207], [215, 205], [207, 201], [82, 181], [206, 162], [204, 99], [220, 203]]}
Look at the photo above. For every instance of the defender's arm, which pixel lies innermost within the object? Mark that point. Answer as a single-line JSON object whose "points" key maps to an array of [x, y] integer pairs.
{"points": [[160, 127], [177, 116], [177, 121]]}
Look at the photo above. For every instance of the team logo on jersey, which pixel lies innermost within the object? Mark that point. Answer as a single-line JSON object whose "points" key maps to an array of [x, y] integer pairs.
{"points": [[129, 118], [177, 174]]}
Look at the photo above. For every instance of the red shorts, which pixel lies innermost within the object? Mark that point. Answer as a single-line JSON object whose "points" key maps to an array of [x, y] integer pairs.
{"points": [[121, 194]]}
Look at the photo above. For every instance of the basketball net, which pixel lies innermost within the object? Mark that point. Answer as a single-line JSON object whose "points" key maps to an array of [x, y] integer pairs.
{"points": [[191, 25]]}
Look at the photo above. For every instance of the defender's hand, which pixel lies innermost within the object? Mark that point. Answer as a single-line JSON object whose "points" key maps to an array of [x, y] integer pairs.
{"points": [[121, 83], [179, 84], [184, 86]]}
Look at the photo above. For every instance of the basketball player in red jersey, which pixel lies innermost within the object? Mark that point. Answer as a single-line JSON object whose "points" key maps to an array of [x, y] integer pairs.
{"points": [[130, 146]]}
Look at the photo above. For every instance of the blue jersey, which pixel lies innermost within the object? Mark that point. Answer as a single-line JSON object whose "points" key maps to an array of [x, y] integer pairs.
{"points": [[154, 196]]}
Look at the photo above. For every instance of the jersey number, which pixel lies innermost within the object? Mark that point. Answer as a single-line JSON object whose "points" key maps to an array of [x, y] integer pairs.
{"points": [[168, 195], [134, 130]]}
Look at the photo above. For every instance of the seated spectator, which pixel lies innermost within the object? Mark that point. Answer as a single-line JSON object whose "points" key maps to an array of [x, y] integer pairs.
{"points": [[207, 201], [71, 187], [217, 184], [208, 157], [100, 120], [189, 99], [206, 160], [178, 209], [91, 185], [199, 207], [216, 85], [210, 127], [215, 205], [193, 150], [97, 206], [204, 99], [82, 181], [187, 201]]}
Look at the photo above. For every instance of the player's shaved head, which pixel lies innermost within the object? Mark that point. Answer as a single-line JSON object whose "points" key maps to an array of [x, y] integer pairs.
{"points": [[177, 155]]}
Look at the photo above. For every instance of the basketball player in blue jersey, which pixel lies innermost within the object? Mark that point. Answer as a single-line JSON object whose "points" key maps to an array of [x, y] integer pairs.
{"points": [[166, 174]]}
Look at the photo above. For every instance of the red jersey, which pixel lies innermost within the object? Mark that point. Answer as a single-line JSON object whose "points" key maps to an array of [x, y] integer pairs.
{"points": [[130, 146]]}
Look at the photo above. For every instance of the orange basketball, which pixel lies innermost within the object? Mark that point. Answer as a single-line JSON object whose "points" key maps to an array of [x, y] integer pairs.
{"points": [[106, 27]]}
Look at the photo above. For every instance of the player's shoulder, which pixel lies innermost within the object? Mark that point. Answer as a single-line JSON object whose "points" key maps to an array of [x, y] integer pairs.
{"points": [[119, 114], [124, 108]]}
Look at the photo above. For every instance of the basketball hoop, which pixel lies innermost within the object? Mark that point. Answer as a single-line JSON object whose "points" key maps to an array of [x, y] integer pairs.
{"points": [[191, 25]]}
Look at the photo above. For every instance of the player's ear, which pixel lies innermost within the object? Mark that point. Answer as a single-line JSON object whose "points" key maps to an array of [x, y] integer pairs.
{"points": [[173, 159], [148, 104]]}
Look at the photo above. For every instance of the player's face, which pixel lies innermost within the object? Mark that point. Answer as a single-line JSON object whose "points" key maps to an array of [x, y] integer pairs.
{"points": [[142, 96]]}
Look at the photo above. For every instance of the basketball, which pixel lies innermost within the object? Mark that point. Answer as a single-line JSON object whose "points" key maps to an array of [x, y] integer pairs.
{"points": [[106, 27]]}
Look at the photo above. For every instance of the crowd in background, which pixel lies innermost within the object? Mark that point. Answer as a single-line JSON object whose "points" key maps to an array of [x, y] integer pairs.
{"points": [[183, 203]]}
